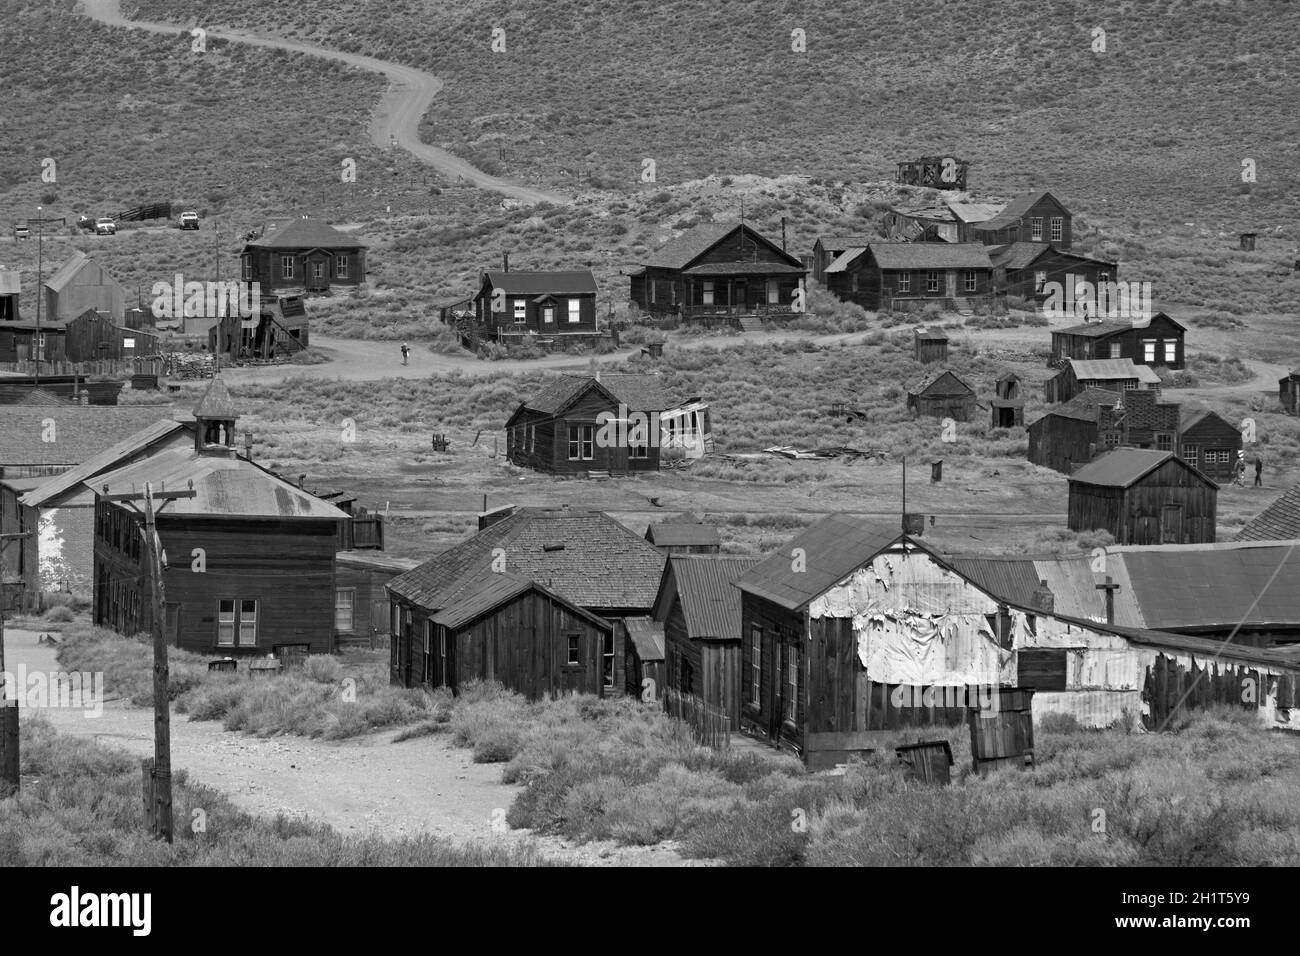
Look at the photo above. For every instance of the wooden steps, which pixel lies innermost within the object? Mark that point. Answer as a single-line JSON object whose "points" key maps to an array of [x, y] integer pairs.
{"points": [[750, 323]]}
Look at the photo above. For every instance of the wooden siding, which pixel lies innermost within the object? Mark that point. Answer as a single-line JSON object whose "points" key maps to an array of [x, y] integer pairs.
{"points": [[1058, 266], [871, 287], [1061, 443], [1138, 514], [710, 670], [264, 266], [1046, 208], [534, 315], [779, 628], [1130, 344], [1212, 434]]}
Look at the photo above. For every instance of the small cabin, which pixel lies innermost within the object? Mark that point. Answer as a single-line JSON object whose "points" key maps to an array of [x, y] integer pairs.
{"points": [[685, 534], [1144, 496], [1112, 375], [1209, 443], [945, 396], [1008, 405], [929, 345], [1248, 242]]}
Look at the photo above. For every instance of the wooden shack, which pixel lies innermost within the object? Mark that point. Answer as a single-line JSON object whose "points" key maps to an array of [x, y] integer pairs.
{"points": [[1143, 496], [1209, 443], [1008, 407], [78, 285], [1288, 392], [684, 534], [929, 345], [1158, 342], [944, 396], [93, 336], [279, 331]]}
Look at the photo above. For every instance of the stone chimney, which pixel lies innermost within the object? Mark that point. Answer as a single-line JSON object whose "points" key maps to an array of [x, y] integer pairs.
{"points": [[1044, 600]]}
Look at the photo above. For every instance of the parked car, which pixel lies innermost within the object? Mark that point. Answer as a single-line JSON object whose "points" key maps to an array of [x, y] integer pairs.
{"points": [[86, 223], [21, 232], [105, 226], [189, 220]]}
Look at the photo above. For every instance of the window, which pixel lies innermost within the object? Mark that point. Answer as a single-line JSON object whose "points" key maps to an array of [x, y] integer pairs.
{"points": [[650, 284], [286, 267], [1110, 439], [236, 620], [971, 280], [340, 267], [521, 310], [1148, 350], [575, 649], [548, 313], [1164, 441], [582, 440], [246, 266], [1103, 278], [932, 282], [755, 663], [1191, 453], [1217, 456], [1171, 351], [442, 657], [904, 281], [791, 683], [609, 660], [531, 440], [1058, 229], [1040, 280], [1115, 349], [318, 270], [345, 600], [639, 452], [706, 292], [773, 292], [426, 673], [575, 310], [1036, 229]]}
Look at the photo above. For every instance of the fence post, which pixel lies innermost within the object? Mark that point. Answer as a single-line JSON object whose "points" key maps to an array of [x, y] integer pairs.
{"points": [[9, 764]]}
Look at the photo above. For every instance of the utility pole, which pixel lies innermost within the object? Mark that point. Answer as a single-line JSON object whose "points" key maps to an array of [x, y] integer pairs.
{"points": [[5, 539], [40, 293], [158, 779], [10, 766]]}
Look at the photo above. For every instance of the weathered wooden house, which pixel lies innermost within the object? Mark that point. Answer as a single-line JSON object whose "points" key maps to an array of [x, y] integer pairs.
{"points": [[361, 609], [718, 270], [919, 224], [935, 172], [613, 422], [944, 396], [1008, 404], [1112, 375], [1209, 443], [699, 608], [907, 275], [970, 214], [538, 303], [684, 534], [78, 285], [1143, 496], [1025, 268], [1160, 342], [929, 345], [1066, 436], [1280, 521], [281, 329], [529, 601], [828, 248], [877, 631], [251, 558], [1139, 420], [304, 255], [1288, 392], [94, 336], [1034, 217], [20, 578]]}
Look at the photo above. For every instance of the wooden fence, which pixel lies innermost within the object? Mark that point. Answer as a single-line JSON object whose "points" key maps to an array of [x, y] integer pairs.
{"points": [[150, 365], [710, 724]]}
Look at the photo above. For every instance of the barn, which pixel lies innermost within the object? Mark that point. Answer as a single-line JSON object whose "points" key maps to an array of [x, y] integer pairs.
{"points": [[1034, 217], [94, 336], [929, 345], [1112, 375], [78, 285], [700, 611], [718, 270], [879, 631], [1209, 443], [532, 569], [304, 254], [266, 548], [944, 396], [906, 275], [1159, 342], [1143, 496]]}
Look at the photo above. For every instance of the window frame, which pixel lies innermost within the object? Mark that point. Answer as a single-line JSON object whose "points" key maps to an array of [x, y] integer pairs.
{"points": [[972, 280], [584, 444], [286, 267], [756, 665], [931, 282], [573, 649], [1149, 350], [790, 708], [1035, 228], [904, 282], [575, 311], [1058, 229], [519, 311], [351, 609], [340, 267]]}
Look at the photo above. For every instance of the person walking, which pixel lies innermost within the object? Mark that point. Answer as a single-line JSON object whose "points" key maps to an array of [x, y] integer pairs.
{"points": [[1259, 470], [406, 350]]}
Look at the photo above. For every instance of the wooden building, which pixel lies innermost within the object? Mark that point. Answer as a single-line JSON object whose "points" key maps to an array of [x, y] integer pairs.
{"points": [[614, 423], [643, 652], [1209, 443], [699, 607], [10, 292], [73, 389], [304, 255], [1008, 404], [1288, 393], [530, 600], [280, 330], [929, 345], [907, 275], [1024, 269], [362, 613], [829, 248], [1034, 217], [20, 570], [1143, 496], [944, 396], [539, 303], [919, 224], [880, 631], [1066, 437], [78, 285], [935, 172], [265, 549], [684, 534], [1160, 342], [718, 270], [93, 336], [968, 215], [1112, 375], [1139, 420]]}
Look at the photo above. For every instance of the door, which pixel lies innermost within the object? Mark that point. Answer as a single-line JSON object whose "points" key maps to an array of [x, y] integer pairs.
{"points": [[776, 703], [740, 297], [1171, 524], [951, 278]]}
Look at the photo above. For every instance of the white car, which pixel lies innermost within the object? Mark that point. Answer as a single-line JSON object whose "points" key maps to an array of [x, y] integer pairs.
{"points": [[105, 227], [189, 220]]}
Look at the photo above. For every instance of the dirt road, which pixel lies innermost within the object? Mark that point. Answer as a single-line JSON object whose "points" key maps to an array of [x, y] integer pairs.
{"points": [[366, 785], [396, 119]]}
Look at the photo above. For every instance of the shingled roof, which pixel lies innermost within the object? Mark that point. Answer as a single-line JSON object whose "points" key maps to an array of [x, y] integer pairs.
{"points": [[640, 393], [679, 253], [686, 530], [77, 432], [216, 401], [1124, 467], [1095, 330], [586, 556], [306, 234], [931, 255], [1280, 521], [1084, 405], [111, 457], [580, 282], [1103, 369]]}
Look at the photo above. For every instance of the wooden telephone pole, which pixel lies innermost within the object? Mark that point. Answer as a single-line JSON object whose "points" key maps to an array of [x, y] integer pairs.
{"points": [[9, 764], [158, 771]]}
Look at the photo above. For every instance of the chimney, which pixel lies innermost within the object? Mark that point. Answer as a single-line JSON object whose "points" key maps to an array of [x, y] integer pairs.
{"points": [[505, 262], [488, 518], [1044, 600]]}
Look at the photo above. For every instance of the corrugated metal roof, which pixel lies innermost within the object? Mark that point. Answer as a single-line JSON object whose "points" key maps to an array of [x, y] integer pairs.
{"points": [[306, 234], [841, 262], [1011, 579], [570, 552], [931, 255], [54, 488], [1102, 369], [818, 559], [710, 604], [647, 637], [1280, 521], [224, 487], [77, 433], [578, 282]]}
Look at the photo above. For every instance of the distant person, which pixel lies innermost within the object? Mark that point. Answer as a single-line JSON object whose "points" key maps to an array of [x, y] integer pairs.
{"points": [[1259, 471], [406, 351], [1239, 470]]}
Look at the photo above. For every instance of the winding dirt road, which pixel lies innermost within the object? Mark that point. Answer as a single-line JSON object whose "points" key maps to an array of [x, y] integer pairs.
{"points": [[396, 118]]}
